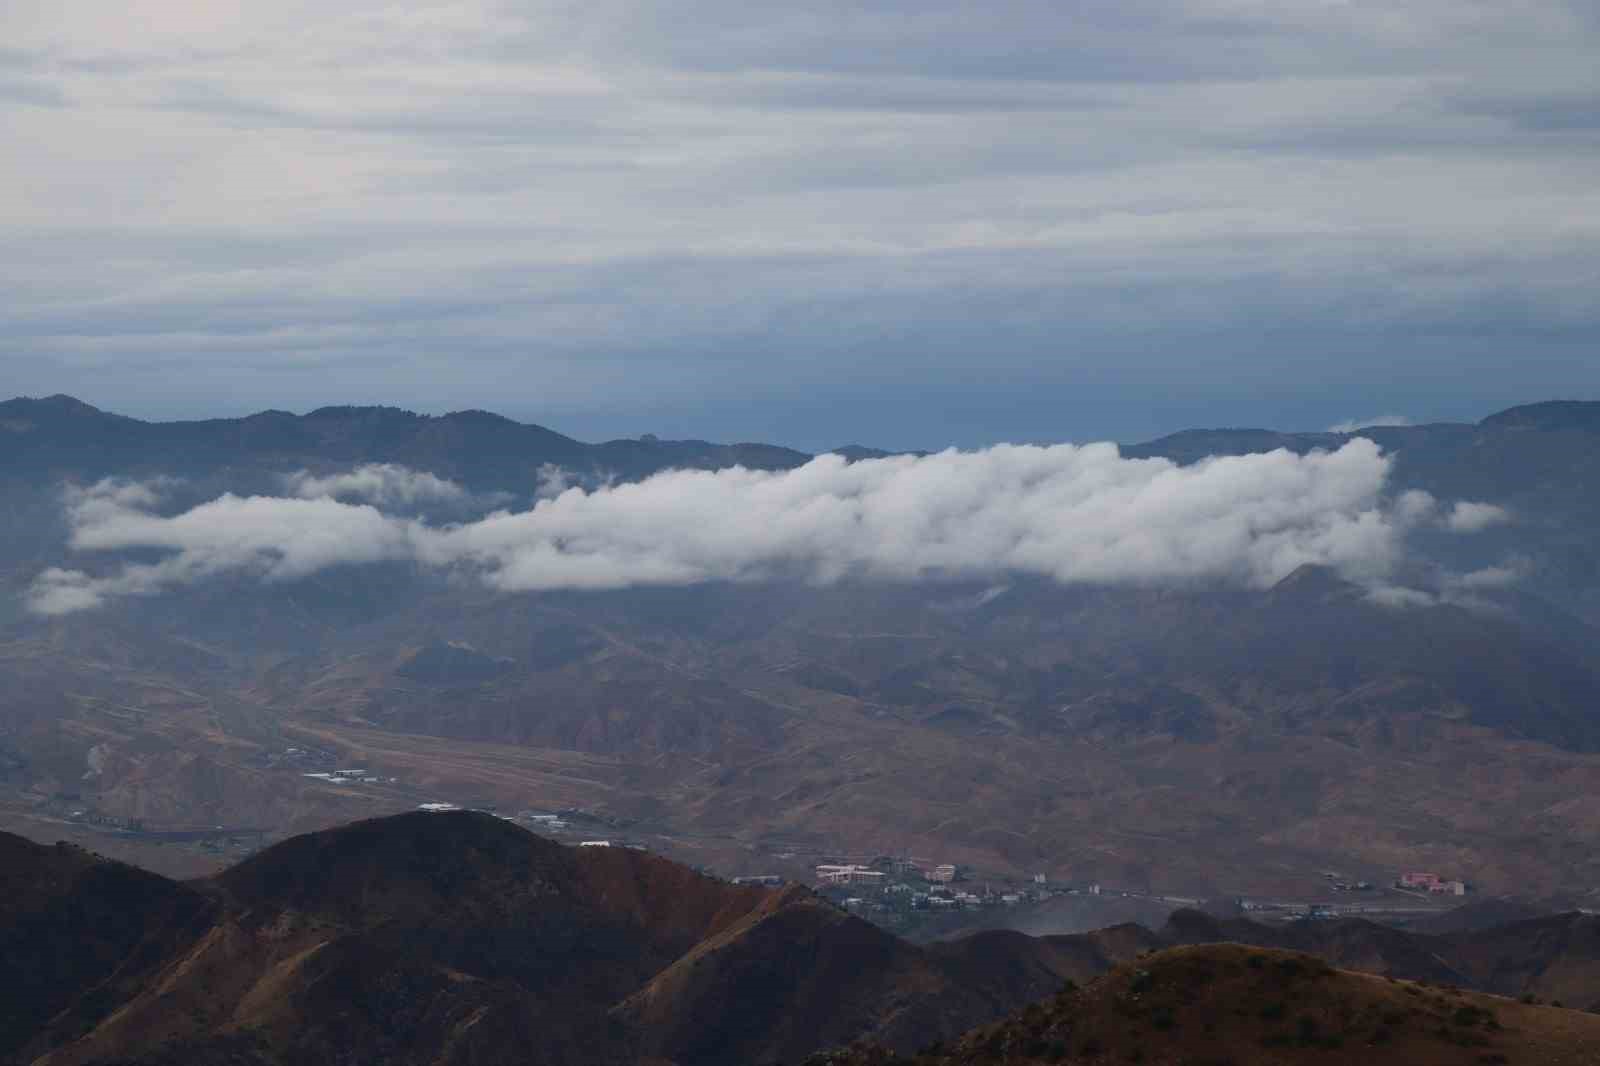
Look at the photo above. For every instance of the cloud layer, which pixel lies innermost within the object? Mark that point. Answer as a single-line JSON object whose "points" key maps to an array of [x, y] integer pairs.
{"points": [[384, 484], [1073, 514], [1351, 425]]}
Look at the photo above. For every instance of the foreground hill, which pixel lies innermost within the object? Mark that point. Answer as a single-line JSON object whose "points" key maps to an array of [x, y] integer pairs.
{"points": [[459, 938], [79, 937], [1553, 958], [740, 997], [1225, 1003]]}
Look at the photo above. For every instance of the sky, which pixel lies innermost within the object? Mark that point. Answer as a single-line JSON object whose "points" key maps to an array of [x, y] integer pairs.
{"points": [[813, 223]]}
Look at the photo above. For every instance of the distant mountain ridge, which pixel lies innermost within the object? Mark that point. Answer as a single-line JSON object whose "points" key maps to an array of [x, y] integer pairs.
{"points": [[1200, 739], [59, 435], [481, 448]]}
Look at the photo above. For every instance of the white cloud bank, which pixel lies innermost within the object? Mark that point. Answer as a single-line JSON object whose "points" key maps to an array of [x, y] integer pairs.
{"points": [[1379, 422], [384, 484], [1469, 517], [1071, 513]]}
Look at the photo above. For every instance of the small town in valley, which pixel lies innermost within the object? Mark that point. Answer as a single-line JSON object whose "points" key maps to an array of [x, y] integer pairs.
{"points": [[903, 894]]}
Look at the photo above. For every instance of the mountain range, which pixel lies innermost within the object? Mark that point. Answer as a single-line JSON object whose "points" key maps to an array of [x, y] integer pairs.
{"points": [[1197, 737]]}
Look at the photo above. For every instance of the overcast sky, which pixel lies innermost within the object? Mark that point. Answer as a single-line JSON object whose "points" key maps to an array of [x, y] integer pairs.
{"points": [[812, 222]]}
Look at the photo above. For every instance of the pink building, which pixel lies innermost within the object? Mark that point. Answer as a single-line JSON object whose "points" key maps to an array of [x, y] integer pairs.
{"points": [[1433, 883]]}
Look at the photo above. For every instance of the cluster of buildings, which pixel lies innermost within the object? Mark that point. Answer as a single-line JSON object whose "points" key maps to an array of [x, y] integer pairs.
{"points": [[305, 758], [1431, 883], [902, 886], [764, 880], [350, 777], [552, 823], [849, 875], [829, 874]]}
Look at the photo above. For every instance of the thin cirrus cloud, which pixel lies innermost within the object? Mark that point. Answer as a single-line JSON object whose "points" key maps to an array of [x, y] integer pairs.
{"points": [[628, 209], [1073, 514]]}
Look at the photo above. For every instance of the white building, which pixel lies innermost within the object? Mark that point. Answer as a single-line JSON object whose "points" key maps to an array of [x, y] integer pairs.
{"points": [[849, 875]]}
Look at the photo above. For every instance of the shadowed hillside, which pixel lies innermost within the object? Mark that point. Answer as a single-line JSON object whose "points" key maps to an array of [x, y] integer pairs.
{"points": [[1232, 1004], [460, 938], [79, 936]]}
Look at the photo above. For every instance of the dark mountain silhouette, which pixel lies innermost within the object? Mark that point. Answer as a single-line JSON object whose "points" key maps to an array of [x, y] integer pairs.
{"points": [[1550, 415], [460, 938], [740, 997], [61, 437], [79, 937]]}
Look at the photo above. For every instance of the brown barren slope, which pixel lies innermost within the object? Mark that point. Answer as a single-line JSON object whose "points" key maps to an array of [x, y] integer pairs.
{"points": [[460, 938], [1229, 1004]]}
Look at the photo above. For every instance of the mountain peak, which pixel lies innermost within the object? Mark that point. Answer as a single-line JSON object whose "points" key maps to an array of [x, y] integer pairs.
{"points": [[64, 402], [361, 411], [59, 404], [1313, 582], [405, 865], [1549, 415], [479, 415]]}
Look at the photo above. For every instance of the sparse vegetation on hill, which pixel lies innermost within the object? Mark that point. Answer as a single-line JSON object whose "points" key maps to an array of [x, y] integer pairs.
{"points": [[459, 938], [1229, 1004]]}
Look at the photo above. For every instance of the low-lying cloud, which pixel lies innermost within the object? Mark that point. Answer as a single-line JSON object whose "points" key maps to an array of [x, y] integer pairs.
{"points": [[1070, 513], [383, 484], [1376, 422]]}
